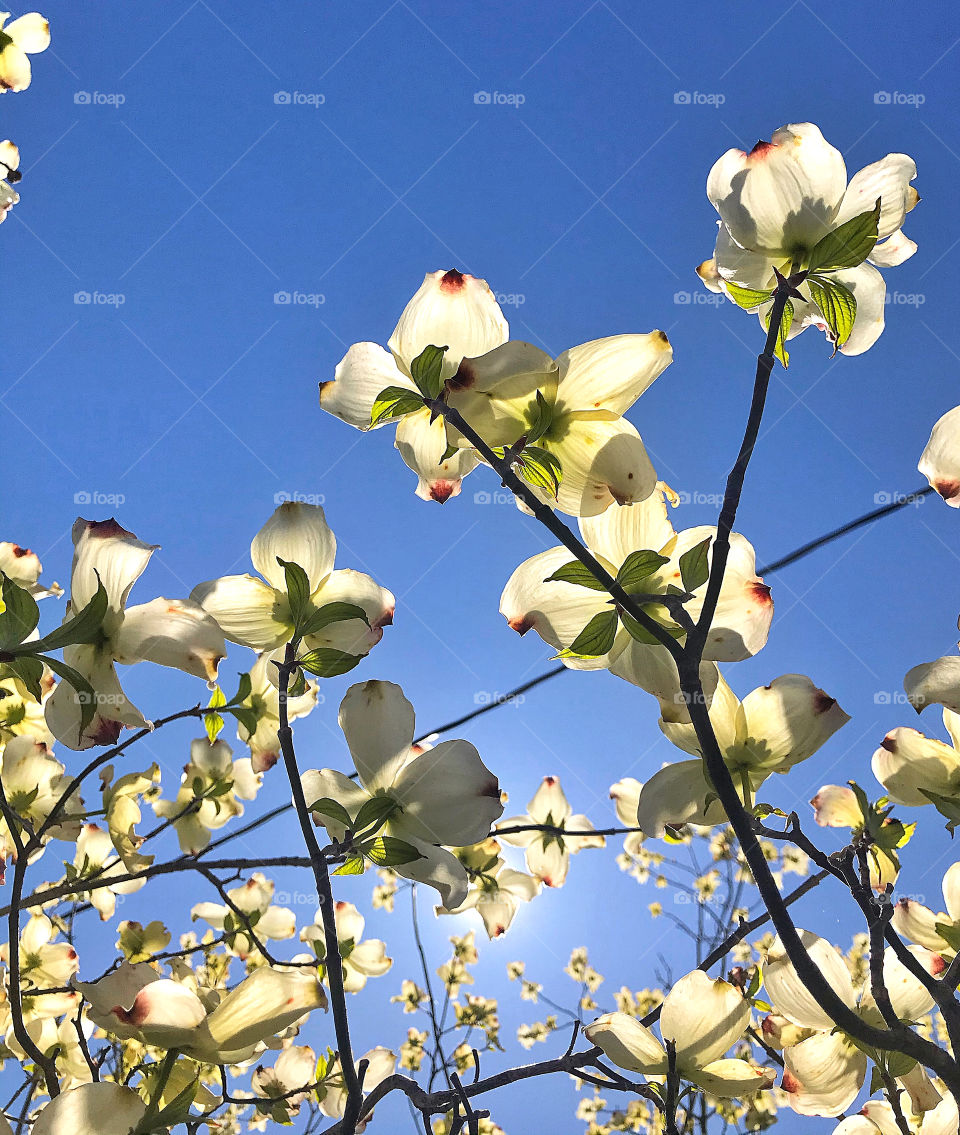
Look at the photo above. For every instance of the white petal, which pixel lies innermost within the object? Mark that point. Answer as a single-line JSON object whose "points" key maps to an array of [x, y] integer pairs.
{"points": [[612, 373], [91, 1109], [616, 532], [790, 997], [104, 549], [908, 996], [940, 460], [893, 251], [63, 708], [171, 632], [449, 794], [917, 922], [704, 1018], [549, 800], [353, 635], [248, 611], [548, 862], [31, 33], [823, 1074], [951, 890], [676, 795], [943, 1120], [262, 1005], [907, 762], [422, 445], [741, 265], [788, 721], [602, 462], [438, 869], [625, 795], [378, 723], [298, 533], [449, 310], [15, 70], [328, 784], [784, 194], [733, 1078], [835, 806], [889, 179], [627, 1043], [363, 372]]}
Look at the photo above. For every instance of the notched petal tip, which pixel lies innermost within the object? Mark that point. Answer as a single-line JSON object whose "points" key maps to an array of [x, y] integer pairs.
{"points": [[441, 491], [452, 281]]}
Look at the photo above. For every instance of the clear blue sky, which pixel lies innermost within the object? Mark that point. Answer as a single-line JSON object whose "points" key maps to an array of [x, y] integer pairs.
{"points": [[578, 189]]}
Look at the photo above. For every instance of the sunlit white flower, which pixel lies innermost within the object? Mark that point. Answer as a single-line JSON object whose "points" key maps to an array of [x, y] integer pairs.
{"points": [[877, 1117], [450, 310], [381, 1063], [360, 958], [97, 856], [34, 781], [938, 932], [777, 201], [170, 632], [28, 35], [103, 1108], [45, 964], [264, 700], [253, 899], [559, 611], [911, 765], [445, 795], [256, 612], [9, 161], [703, 1018], [548, 853], [496, 890], [20, 564], [294, 1068], [940, 460]]}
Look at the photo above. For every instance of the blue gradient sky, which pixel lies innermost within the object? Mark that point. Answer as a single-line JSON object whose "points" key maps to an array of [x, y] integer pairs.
{"points": [[577, 191]]}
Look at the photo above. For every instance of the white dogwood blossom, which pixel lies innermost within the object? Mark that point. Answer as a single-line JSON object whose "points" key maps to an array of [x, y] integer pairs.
{"points": [[779, 206], [25, 36], [449, 310], [916, 769], [360, 958], [877, 1117], [253, 899], [940, 460], [169, 632], [443, 796], [101, 1108], [9, 163], [938, 932], [496, 890], [704, 1018]]}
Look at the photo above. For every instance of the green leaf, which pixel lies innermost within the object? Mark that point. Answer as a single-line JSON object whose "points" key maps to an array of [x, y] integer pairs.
{"points": [[333, 810], [328, 663], [695, 566], [298, 592], [246, 717], [848, 245], [425, 370], [540, 469], [747, 298], [244, 690], [386, 851], [375, 812], [638, 567], [332, 613], [780, 347], [29, 670], [213, 722], [352, 866], [84, 627], [595, 639], [394, 402], [297, 686], [576, 573], [20, 615], [640, 633], [450, 451], [86, 695], [542, 418], [838, 305]]}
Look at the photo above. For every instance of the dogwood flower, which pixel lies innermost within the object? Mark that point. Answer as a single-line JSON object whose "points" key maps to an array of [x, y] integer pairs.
{"points": [[940, 460], [547, 853], [45, 964], [28, 35], [449, 310], [170, 632], [256, 612], [20, 564], [572, 407], [34, 781], [496, 890], [824, 1071], [937, 932], [212, 789], [9, 161], [102, 1108], [877, 1117], [559, 611], [381, 1063], [837, 806], [264, 700], [96, 855], [916, 769], [703, 1018], [445, 795], [359, 958], [774, 728], [294, 1068], [780, 200], [21, 715], [135, 1002], [253, 898]]}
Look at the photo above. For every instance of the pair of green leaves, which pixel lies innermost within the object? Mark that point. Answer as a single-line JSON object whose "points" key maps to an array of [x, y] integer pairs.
{"points": [[381, 850], [398, 401], [246, 715], [597, 637], [537, 466], [26, 660]]}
